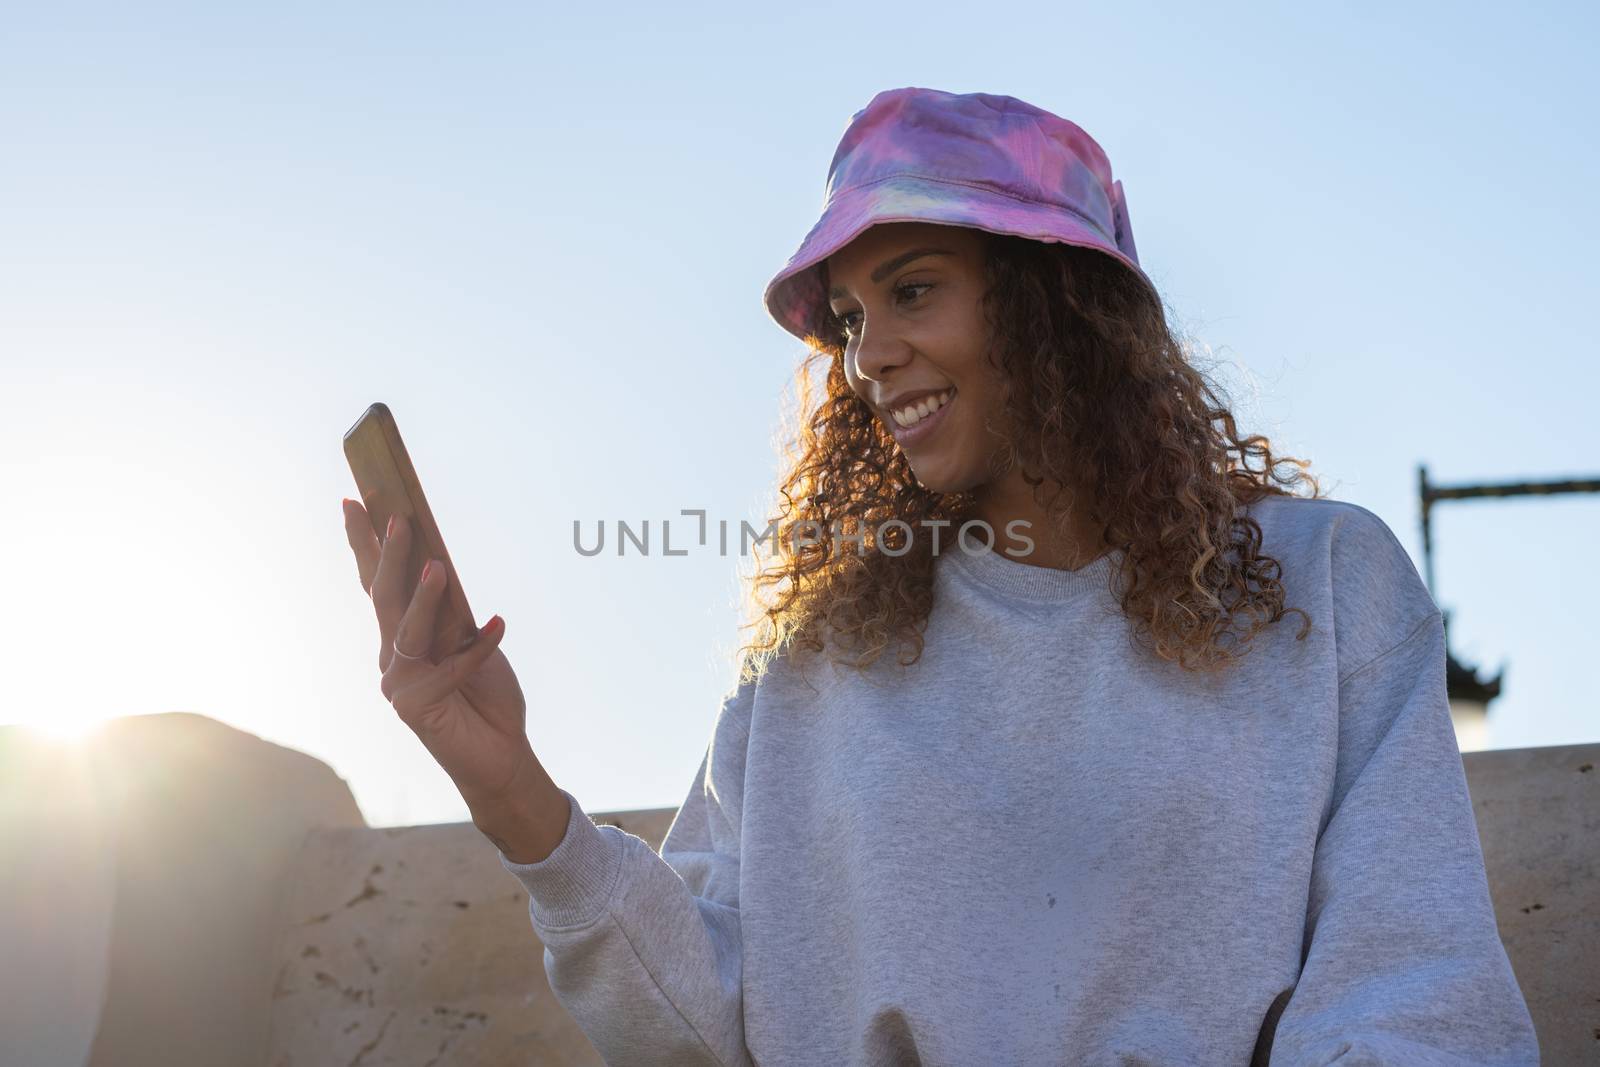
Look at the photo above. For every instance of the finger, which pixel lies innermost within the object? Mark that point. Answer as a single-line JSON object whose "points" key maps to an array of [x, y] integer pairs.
{"points": [[389, 593], [414, 635], [451, 673], [363, 541]]}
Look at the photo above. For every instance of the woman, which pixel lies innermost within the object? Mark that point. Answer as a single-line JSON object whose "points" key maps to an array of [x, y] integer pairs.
{"points": [[1105, 803]]}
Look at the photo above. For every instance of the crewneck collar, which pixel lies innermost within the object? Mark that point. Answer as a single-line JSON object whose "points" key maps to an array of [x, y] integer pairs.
{"points": [[1011, 577]]}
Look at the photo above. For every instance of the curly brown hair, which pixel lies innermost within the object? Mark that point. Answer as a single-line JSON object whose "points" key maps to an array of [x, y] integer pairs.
{"points": [[1106, 398]]}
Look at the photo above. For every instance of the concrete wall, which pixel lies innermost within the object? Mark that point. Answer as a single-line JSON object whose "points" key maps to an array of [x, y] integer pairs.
{"points": [[179, 892], [414, 943], [1538, 815], [143, 872], [57, 878]]}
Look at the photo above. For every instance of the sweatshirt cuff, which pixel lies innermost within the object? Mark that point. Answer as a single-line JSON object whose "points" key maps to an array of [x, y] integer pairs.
{"points": [[572, 885]]}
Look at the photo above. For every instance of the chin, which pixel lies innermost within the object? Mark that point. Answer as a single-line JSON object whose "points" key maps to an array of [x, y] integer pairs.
{"points": [[938, 478]]}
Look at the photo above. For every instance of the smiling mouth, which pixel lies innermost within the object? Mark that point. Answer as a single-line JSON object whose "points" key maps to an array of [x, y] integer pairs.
{"points": [[912, 415]]}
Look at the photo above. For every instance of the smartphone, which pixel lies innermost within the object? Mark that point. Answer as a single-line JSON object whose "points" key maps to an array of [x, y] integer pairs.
{"points": [[389, 486]]}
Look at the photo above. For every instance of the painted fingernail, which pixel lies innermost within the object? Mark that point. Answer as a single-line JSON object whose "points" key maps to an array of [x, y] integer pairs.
{"points": [[495, 623], [425, 571]]}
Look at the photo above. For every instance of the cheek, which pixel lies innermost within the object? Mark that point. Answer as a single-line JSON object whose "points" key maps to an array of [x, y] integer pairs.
{"points": [[983, 400], [959, 336], [853, 380], [963, 361]]}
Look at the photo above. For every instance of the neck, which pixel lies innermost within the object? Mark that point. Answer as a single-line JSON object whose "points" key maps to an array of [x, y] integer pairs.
{"points": [[1062, 542]]}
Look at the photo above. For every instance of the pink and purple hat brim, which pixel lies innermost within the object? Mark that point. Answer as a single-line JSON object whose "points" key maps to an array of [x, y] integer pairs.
{"points": [[795, 295]]}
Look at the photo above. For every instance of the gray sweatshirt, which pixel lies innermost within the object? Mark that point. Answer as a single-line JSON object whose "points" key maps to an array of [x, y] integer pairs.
{"points": [[1040, 845]]}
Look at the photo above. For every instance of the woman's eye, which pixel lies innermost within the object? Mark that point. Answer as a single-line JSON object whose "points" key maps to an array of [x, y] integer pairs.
{"points": [[909, 291]]}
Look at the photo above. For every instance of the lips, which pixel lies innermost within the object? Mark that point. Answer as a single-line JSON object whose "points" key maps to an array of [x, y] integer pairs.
{"points": [[929, 415], [909, 410]]}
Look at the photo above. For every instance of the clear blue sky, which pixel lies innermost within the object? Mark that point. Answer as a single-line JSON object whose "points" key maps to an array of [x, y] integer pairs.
{"points": [[541, 235]]}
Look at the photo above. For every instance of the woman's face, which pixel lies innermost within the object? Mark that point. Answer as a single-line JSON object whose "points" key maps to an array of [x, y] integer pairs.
{"points": [[910, 297]]}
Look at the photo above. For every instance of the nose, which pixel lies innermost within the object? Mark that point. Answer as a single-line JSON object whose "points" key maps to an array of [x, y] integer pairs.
{"points": [[878, 349]]}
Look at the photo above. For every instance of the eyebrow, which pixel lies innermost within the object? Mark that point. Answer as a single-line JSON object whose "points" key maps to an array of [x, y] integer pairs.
{"points": [[888, 267]]}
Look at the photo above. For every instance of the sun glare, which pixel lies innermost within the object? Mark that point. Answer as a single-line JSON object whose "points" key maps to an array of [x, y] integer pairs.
{"points": [[66, 727]]}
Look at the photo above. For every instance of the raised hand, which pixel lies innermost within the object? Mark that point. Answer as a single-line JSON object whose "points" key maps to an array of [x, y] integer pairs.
{"points": [[468, 709]]}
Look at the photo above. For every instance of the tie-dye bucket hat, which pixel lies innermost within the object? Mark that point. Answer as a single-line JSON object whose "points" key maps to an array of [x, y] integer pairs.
{"points": [[972, 159]]}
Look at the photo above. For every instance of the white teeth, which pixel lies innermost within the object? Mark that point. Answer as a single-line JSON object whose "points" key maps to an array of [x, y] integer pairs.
{"points": [[914, 413]]}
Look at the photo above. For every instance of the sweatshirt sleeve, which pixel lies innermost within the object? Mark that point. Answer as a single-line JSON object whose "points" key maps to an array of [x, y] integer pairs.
{"points": [[1403, 962], [643, 950]]}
